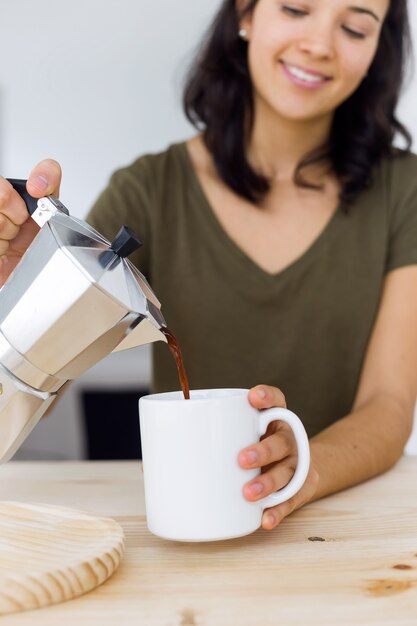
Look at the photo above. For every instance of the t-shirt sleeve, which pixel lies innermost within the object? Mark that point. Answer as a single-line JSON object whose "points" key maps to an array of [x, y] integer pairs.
{"points": [[402, 248], [126, 201]]}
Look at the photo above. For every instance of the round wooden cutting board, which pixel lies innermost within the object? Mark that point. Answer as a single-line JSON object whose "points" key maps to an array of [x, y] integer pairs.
{"points": [[49, 554]]}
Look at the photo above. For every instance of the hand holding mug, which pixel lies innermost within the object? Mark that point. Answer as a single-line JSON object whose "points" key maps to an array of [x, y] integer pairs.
{"points": [[277, 454]]}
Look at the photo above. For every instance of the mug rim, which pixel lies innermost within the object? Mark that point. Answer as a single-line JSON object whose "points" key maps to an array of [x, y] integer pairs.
{"points": [[197, 395]]}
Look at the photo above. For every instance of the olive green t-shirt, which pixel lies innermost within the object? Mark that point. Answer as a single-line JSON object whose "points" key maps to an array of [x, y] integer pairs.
{"points": [[304, 329]]}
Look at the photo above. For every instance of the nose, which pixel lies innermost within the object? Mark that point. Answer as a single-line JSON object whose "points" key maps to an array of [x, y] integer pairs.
{"points": [[318, 43]]}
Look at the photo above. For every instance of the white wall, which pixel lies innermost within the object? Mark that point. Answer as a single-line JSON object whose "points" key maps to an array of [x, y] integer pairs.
{"points": [[93, 84], [408, 106]]}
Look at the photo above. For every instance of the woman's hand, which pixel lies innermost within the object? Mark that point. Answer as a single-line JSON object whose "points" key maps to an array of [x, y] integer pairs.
{"points": [[17, 230], [276, 455]]}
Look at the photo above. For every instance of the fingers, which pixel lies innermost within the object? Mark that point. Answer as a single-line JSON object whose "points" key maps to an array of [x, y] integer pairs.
{"points": [[8, 230], [274, 479], [277, 455], [16, 229], [273, 516], [45, 179], [271, 449], [265, 397], [268, 483], [12, 206], [12, 250]]}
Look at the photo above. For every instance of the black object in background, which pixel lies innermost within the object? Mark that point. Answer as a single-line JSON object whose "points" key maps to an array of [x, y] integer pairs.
{"points": [[112, 424]]}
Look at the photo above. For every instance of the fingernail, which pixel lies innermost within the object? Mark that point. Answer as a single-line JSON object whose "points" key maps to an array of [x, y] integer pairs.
{"points": [[39, 182], [251, 457], [261, 393], [256, 488]]}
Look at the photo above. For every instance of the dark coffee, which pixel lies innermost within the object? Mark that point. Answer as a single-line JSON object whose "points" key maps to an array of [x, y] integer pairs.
{"points": [[177, 354]]}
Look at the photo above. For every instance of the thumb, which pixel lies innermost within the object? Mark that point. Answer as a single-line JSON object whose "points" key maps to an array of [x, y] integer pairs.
{"points": [[266, 396], [45, 179]]}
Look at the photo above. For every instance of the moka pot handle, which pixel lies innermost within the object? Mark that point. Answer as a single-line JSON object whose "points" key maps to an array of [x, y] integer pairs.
{"points": [[19, 184], [40, 209]]}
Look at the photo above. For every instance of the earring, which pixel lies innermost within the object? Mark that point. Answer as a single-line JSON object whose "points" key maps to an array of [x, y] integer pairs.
{"points": [[243, 34]]}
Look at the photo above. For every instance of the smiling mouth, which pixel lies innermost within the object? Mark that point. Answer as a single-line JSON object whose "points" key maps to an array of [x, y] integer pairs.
{"points": [[304, 75]]}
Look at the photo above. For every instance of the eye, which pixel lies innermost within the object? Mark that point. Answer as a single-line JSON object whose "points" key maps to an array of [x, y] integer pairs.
{"points": [[353, 33], [293, 11]]}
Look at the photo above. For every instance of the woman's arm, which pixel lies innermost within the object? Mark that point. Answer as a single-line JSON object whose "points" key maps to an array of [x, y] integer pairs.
{"points": [[372, 437]]}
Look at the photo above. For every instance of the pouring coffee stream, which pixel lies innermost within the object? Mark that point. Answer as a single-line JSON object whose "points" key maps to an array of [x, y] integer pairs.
{"points": [[73, 299], [179, 361]]}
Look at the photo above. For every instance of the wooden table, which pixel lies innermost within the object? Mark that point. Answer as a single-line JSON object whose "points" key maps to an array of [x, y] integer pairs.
{"points": [[350, 559]]}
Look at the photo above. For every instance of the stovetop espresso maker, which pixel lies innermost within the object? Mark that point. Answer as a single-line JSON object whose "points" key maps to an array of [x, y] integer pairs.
{"points": [[73, 299]]}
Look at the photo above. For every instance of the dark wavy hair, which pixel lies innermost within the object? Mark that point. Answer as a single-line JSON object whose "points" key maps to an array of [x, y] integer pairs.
{"points": [[218, 100]]}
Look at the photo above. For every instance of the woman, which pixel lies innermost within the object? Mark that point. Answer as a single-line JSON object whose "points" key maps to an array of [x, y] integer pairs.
{"points": [[282, 239]]}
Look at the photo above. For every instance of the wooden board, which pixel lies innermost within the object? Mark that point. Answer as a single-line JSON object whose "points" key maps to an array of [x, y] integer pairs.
{"points": [[49, 554]]}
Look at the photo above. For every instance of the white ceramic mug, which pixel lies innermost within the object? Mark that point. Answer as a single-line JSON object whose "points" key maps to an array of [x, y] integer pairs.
{"points": [[193, 482]]}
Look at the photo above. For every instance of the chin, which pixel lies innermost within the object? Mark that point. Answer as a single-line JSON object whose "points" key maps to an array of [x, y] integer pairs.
{"points": [[304, 116]]}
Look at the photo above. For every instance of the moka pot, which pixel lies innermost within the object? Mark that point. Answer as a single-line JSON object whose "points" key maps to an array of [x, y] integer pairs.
{"points": [[73, 299]]}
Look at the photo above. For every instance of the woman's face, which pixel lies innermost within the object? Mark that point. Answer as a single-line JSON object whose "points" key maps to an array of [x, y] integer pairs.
{"points": [[308, 56]]}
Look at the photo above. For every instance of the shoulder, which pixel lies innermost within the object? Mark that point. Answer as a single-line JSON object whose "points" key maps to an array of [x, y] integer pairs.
{"points": [[397, 174], [392, 191], [150, 170], [398, 177], [133, 190]]}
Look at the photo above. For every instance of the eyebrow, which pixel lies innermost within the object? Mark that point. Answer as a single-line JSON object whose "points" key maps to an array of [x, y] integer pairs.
{"points": [[364, 11]]}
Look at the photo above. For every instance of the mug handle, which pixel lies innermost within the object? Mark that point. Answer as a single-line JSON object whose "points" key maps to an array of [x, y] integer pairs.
{"points": [[303, 465]]}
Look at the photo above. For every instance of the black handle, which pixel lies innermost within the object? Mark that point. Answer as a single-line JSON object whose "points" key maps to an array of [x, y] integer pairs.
{"points": [[20, 186], [125, 242]]}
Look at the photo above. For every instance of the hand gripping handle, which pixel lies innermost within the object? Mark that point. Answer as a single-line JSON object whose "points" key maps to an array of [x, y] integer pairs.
{"points": [[303, 464], [19, 185]]}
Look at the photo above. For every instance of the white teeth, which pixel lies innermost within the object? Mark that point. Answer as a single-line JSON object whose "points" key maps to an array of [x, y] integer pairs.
{"points": [[309, 78]]}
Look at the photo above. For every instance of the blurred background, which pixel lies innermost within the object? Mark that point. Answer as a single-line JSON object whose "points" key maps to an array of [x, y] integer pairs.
{"points": [[93, 85]]}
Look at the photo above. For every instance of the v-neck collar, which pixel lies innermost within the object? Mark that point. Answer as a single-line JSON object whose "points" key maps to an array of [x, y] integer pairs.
{"points": [[235, 251]]}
